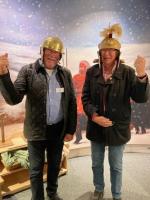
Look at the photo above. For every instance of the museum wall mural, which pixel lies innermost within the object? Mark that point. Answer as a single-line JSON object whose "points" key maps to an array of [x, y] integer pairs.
{"points": [[24, 25]]}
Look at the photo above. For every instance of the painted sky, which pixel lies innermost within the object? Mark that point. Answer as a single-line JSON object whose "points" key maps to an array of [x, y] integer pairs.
{"points": [[76, 22]]}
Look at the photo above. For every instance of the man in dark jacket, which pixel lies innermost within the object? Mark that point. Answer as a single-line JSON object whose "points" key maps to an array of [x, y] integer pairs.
{"points": [[107, 90], [50, 112]]}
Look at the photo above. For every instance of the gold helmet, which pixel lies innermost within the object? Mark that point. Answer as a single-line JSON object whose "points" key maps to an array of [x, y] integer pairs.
{"points": [[53, 43], [109, 42]]}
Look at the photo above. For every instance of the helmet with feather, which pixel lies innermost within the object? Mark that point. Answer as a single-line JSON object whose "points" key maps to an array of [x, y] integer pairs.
{"points": [[109, 41]]}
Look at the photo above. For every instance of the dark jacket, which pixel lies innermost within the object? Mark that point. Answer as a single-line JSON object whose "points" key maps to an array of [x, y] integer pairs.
{"points": [[112, 100], [32, 82]]}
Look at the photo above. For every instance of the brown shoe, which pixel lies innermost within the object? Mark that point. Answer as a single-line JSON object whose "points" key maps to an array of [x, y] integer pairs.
{"points": [[97, 195]]}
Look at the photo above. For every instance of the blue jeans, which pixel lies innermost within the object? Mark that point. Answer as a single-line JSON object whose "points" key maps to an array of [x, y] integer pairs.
{"points": [[115, 155]]}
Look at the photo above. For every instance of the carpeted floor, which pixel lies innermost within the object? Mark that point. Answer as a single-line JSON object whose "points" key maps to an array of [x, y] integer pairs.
{"points": [[77, 184]]}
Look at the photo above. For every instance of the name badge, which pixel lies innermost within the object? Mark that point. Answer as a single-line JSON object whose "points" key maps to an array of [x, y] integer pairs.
{"points": [[59, 90]]}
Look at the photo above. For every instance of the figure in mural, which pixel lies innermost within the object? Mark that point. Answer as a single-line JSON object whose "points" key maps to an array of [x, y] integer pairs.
{"points": [[50, 112], [107, 90], [78, 81], [140, 117]]}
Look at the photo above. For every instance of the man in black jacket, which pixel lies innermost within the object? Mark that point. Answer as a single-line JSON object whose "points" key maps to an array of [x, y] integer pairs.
{"points": [[50, 112], [107, 90]]}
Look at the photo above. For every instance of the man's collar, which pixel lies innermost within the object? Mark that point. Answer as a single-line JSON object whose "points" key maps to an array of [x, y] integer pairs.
{"points": [[39, 65], [117, 73], [113, 68]]}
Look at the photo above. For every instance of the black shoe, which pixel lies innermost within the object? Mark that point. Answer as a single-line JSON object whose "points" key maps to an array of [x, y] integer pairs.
{"points": [[116, 199], [54, 197], [97, 195]]}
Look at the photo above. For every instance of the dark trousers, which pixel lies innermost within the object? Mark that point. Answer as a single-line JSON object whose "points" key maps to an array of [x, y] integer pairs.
{"points": [[53, 146]]}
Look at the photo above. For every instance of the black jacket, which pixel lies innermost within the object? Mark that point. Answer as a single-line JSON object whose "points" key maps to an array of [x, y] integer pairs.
{"points": [[113, 95], [32, 82]]}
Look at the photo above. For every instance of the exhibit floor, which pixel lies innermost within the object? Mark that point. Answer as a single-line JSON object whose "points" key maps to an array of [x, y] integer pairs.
{"points": [[77, 183]]}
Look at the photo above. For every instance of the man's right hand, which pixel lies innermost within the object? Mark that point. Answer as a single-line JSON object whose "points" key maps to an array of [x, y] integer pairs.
{"points": [[102, 121], [4, 64]]}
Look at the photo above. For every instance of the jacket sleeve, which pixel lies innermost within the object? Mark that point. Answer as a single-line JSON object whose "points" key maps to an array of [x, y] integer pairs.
{"points": [[72, 109], [139, 90], [13, 93], [88, 107]]}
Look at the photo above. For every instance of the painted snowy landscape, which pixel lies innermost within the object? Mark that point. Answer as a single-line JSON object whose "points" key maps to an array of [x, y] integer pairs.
{"points": [[22, 55]]}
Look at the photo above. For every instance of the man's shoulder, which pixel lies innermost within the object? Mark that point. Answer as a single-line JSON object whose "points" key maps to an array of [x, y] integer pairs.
{"points": [[126, 67], [93, 68], [30, 66], [64, 69]]}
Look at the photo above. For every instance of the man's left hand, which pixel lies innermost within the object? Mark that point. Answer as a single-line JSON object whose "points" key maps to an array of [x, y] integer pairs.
{"points": [[68, 137], [140, 66]]}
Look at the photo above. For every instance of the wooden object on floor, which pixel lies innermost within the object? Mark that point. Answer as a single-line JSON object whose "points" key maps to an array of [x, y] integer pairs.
{"points": [[17, 179], [63, 164], [5, 144], [2, 117], [14, 144]]}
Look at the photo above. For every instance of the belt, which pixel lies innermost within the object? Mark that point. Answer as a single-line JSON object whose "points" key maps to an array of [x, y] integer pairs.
{"points": [[58, 123]]}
